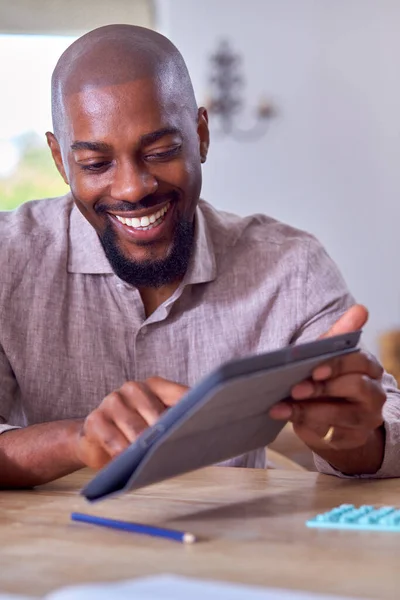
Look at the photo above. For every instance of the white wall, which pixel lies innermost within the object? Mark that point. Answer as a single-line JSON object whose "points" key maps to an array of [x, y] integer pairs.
{"points": [[71, 17], [330, 162]]}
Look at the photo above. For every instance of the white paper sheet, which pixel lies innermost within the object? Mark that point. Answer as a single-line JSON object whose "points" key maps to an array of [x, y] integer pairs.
{"points": [[170, 587], [14, 597]]}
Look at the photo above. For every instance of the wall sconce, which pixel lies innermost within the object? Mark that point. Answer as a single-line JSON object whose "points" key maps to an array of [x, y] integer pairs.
{"points": [[225, 100]]}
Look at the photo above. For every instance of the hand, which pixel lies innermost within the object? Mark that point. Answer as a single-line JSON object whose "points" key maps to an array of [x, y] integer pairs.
{"points": [[122, 416], [345, 394]]}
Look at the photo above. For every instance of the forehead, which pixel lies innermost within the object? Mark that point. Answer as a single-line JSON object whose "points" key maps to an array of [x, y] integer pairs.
{"points": [[128, 109]]}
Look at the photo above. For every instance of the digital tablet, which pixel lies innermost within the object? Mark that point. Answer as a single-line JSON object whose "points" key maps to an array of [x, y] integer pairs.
{"points": [[225, 415]]}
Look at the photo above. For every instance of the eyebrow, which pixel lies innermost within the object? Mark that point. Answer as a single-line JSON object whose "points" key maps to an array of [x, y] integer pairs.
{"points": [[145, 140], [150, 138], [93, 146]]}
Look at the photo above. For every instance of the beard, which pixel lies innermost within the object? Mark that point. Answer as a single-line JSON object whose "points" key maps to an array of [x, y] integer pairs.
{"points": [[152, 273]]}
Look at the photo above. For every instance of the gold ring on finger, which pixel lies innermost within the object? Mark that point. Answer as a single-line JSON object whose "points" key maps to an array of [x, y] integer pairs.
{"points": [[329, 435]]}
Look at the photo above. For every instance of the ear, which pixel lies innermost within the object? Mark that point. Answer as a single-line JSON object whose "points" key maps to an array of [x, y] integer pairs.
{"points": [[203, 132], [56, 154]]}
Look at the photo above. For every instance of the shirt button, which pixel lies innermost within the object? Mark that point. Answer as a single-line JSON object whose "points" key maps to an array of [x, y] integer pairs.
{"points": [[143, 329]]}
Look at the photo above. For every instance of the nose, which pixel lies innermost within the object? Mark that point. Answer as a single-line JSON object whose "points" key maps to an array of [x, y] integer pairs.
{"points": [[132, 183]]}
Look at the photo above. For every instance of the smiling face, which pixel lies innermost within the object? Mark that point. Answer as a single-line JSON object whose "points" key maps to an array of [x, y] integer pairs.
{"points": [[132, 157]]}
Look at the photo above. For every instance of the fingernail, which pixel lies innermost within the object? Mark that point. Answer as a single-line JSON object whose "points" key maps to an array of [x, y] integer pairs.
{"points": [[281, 411], [302, 390], [321, 373]]}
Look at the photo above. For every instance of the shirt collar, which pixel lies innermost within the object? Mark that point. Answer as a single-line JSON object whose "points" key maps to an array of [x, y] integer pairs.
{"points": [[202, 267], [86, 254]]}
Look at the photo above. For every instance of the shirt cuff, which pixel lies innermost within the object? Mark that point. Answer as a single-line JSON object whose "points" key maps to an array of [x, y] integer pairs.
{"points": [[4, 428], [390, 466]]}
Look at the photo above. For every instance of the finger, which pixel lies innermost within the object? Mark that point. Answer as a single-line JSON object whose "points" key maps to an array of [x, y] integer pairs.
{"points": [[342, 439], [131, 424], [352, 387], [129, 421], [169, 391], [90, 452], [100, 431], [352, 320], [357, 362], [319, 416], [137, 397]]}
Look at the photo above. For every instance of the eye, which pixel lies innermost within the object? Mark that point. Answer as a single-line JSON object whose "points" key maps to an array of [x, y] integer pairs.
{"points": [[165, 155], [96, 167]]}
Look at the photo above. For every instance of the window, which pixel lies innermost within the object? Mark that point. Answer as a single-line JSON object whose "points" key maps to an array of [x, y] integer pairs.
{"points": [[26, 167], [33, 35]]}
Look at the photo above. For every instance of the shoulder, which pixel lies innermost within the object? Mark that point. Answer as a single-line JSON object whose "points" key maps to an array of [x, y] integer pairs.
{"points": [[290, 265], [257, 234], [32, 229], [36, 218]]}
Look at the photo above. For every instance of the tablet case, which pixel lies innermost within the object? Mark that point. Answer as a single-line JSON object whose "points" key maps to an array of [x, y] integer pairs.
{"points": [[224, 416]]}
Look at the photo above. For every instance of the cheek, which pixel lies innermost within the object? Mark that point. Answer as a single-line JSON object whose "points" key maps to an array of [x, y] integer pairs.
{"points": [[194, 172], [185, 176], [86, 191], [194, 179], [86, 187], [189, 175]]}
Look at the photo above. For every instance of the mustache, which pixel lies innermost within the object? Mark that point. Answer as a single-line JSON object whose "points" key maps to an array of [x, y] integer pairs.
{"points": [[142, 204]]}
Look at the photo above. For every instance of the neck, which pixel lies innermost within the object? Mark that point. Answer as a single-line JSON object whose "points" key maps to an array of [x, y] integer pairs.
{"points": [[152, 298]]}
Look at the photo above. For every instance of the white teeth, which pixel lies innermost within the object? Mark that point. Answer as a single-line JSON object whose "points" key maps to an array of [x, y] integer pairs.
{"points": [[145, 222]]}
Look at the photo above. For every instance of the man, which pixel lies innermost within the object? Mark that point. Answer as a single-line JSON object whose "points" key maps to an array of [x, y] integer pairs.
{"points": [[129, 284]]}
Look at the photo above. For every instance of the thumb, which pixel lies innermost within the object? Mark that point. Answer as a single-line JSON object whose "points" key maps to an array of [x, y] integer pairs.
{"points": [[352, 320], [167, 391]]}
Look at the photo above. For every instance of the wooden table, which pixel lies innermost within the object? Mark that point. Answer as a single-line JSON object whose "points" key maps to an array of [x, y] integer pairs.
{"points": [[252, 523]]}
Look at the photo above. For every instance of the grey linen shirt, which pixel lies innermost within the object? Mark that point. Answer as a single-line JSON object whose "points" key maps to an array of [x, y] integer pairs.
{"points": [[71, 331]]}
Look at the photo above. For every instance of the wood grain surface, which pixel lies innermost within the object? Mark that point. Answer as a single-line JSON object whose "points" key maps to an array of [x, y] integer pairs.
{"points": [[251, 524]]}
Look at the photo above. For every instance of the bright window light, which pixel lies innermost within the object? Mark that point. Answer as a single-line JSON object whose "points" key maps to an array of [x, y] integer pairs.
{"points": [[26, 168]]}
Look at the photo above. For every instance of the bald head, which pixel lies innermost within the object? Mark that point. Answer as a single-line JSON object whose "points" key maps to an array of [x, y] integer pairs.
{"points": [[117, 54]]}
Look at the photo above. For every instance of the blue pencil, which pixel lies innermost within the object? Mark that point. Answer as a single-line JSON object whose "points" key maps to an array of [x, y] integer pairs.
{"points": [[170, 534]]}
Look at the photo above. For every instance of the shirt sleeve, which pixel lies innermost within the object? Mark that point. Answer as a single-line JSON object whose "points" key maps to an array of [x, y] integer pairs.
{"points": [[8, 392], [325, 299]]}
